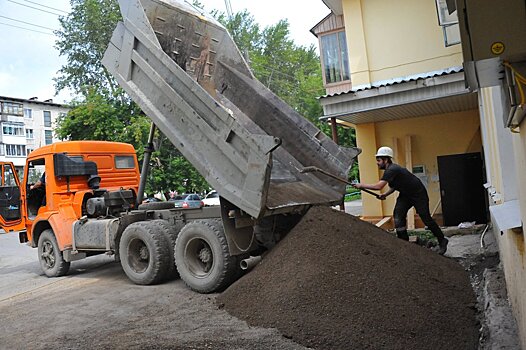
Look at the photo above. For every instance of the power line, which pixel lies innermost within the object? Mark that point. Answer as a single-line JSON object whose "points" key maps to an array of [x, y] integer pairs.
{"points": [[31, 30], [35, 8], [49, 7], [31, 24]]}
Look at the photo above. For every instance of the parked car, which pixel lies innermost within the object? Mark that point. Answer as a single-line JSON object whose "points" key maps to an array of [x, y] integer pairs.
{"points": [[212, 198], [190, 200]]}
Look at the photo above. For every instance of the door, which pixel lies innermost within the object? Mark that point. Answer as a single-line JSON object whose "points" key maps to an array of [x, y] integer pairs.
{"points": [[461, 189], [10, 203]]}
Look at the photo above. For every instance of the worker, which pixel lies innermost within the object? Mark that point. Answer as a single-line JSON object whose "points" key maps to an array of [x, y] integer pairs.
{"points": [[412, 193]]}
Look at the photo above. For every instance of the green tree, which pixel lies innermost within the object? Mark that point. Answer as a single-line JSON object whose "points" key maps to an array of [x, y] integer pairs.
{"points": [[85, 34]]}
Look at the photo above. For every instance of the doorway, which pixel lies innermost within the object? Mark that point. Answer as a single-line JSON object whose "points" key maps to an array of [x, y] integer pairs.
{"points": [[462, 192]]}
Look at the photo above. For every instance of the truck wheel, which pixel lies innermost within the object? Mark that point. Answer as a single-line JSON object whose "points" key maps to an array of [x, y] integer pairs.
{"points": [[145, 253], [202, 257], [170, 232], [50, 256]]}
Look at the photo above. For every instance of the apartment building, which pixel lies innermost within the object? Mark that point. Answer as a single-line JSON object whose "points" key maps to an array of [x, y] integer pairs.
{"points": [[26, 124]]}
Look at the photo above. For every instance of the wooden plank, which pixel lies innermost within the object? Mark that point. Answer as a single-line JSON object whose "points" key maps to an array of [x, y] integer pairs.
{"points": [[383, 221], [409, 166]]}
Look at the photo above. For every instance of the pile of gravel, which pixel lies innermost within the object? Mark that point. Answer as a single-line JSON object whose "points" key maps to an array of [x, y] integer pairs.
{"points": [[336, 282]]}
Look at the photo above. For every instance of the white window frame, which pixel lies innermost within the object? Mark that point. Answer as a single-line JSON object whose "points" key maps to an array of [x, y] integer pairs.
{"points": [[343, 58], [449, 23]]}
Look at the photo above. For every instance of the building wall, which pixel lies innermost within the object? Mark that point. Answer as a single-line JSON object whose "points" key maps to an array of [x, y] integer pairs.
{"points": [[34, 122], [431, 136], [505, 158], [395, 38], [37, 123]]}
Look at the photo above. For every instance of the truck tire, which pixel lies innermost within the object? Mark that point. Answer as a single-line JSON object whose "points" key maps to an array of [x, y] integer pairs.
{"points": [[202, 257], [50, 256], [170, 231], [144, 253]]}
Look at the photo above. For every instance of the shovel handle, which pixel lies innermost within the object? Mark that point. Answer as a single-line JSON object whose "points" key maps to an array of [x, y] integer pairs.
{"points": [[311, 169]]}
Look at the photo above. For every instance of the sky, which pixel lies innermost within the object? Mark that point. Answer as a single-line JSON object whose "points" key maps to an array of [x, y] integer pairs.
{"points": [[29, 61]]}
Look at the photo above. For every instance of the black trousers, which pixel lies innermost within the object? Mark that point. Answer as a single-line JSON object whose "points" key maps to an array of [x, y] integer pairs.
{"points": [[421, 204]]}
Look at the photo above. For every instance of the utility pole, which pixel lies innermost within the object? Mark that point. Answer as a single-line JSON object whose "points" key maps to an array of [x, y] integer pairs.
{"points": [[228, 9]]}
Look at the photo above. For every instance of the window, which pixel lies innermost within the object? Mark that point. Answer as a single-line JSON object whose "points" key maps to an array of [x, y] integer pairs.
{"points": [[449, 23], [48, 136], [15, 150], [12, 108], [9, 176], [12, 129], [124, 162], [29, 134], [47, 119], [335, 57], [28, 113]]}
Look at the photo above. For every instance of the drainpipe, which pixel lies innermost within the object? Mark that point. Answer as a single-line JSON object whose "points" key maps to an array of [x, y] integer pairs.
{"points": [[148, 149]]}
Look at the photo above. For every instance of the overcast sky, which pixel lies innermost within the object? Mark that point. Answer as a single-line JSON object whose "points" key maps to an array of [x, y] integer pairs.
{"points": [[28, 60]]}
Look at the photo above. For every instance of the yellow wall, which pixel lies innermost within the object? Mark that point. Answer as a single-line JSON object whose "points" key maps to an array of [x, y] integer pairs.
{"points": [[431, 136], [395, 38]]}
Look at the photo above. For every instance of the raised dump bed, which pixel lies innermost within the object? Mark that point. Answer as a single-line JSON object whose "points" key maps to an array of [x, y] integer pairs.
{"points": [[184, 70]]}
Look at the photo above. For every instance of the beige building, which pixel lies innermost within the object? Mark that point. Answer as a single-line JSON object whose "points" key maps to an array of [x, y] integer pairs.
{"points": [[452, 110]]}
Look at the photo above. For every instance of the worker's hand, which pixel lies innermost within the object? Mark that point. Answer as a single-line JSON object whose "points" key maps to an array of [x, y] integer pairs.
{"points": [[382, 197], [357, 185]]}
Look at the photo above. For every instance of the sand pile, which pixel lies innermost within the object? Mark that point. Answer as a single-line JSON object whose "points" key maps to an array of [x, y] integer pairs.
{"points": [[336, 282]]}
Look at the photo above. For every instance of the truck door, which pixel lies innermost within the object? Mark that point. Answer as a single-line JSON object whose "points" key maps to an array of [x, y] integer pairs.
{"points": [[10, 204]]}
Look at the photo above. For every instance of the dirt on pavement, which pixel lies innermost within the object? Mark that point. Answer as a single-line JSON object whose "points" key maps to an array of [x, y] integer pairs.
{"points": [[96, 307], [336, 282]]}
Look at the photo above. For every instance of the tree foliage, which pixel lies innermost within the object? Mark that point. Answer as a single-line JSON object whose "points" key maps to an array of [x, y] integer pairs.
{"points": [[85, 34]]}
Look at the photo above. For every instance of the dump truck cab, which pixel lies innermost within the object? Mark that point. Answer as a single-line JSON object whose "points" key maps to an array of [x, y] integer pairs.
{"points": [[72, 173]]}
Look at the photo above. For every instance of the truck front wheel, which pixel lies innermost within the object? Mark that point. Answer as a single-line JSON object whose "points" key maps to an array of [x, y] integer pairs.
{"points": [[202, 257], [50, 256], [145, 253]]}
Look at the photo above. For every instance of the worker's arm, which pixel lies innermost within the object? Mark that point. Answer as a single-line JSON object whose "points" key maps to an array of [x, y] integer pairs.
{"points": [[36, 185], [377, 186], [385, 194]]}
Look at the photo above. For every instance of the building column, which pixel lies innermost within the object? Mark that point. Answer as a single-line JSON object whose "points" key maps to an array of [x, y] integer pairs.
{"points": [[366, 140]]}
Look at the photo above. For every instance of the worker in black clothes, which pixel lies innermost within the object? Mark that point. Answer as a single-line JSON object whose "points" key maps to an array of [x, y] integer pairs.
{"points": [[412, 193]]}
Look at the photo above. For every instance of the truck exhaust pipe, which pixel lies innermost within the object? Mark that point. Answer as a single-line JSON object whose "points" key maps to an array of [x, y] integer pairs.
{"points": [[249, 263]]}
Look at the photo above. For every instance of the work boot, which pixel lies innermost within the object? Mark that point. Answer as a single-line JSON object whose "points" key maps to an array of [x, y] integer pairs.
{"points": [[442, 246]]}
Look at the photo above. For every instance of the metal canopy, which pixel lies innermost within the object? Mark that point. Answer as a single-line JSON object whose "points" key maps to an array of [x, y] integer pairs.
{"points": [[417, 96]]}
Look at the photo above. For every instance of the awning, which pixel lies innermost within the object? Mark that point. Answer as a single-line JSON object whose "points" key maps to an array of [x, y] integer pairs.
{"points": [[436, 92]]}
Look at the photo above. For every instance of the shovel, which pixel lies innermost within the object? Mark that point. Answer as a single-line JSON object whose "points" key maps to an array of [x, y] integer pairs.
{"points": [[311, 169]]}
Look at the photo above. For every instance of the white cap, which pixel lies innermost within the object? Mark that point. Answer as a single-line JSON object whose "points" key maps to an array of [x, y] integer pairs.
{"points": [[385, 152]]}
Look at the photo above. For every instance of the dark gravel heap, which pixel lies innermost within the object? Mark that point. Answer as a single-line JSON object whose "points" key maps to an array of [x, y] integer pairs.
{"points": [[336, 282]]}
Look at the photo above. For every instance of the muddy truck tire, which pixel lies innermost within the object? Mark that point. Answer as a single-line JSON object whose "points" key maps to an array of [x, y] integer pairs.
{"points": [[202, 257], [170, 231], [145, 253], [50, 256]]}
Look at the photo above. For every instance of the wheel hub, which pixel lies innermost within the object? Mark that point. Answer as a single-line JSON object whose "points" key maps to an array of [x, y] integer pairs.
{"points": [[143, 253], [205, 255], [48, 255]]}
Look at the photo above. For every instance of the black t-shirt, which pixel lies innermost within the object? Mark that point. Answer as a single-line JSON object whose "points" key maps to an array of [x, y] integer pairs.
{"points": [[403, 181]]}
